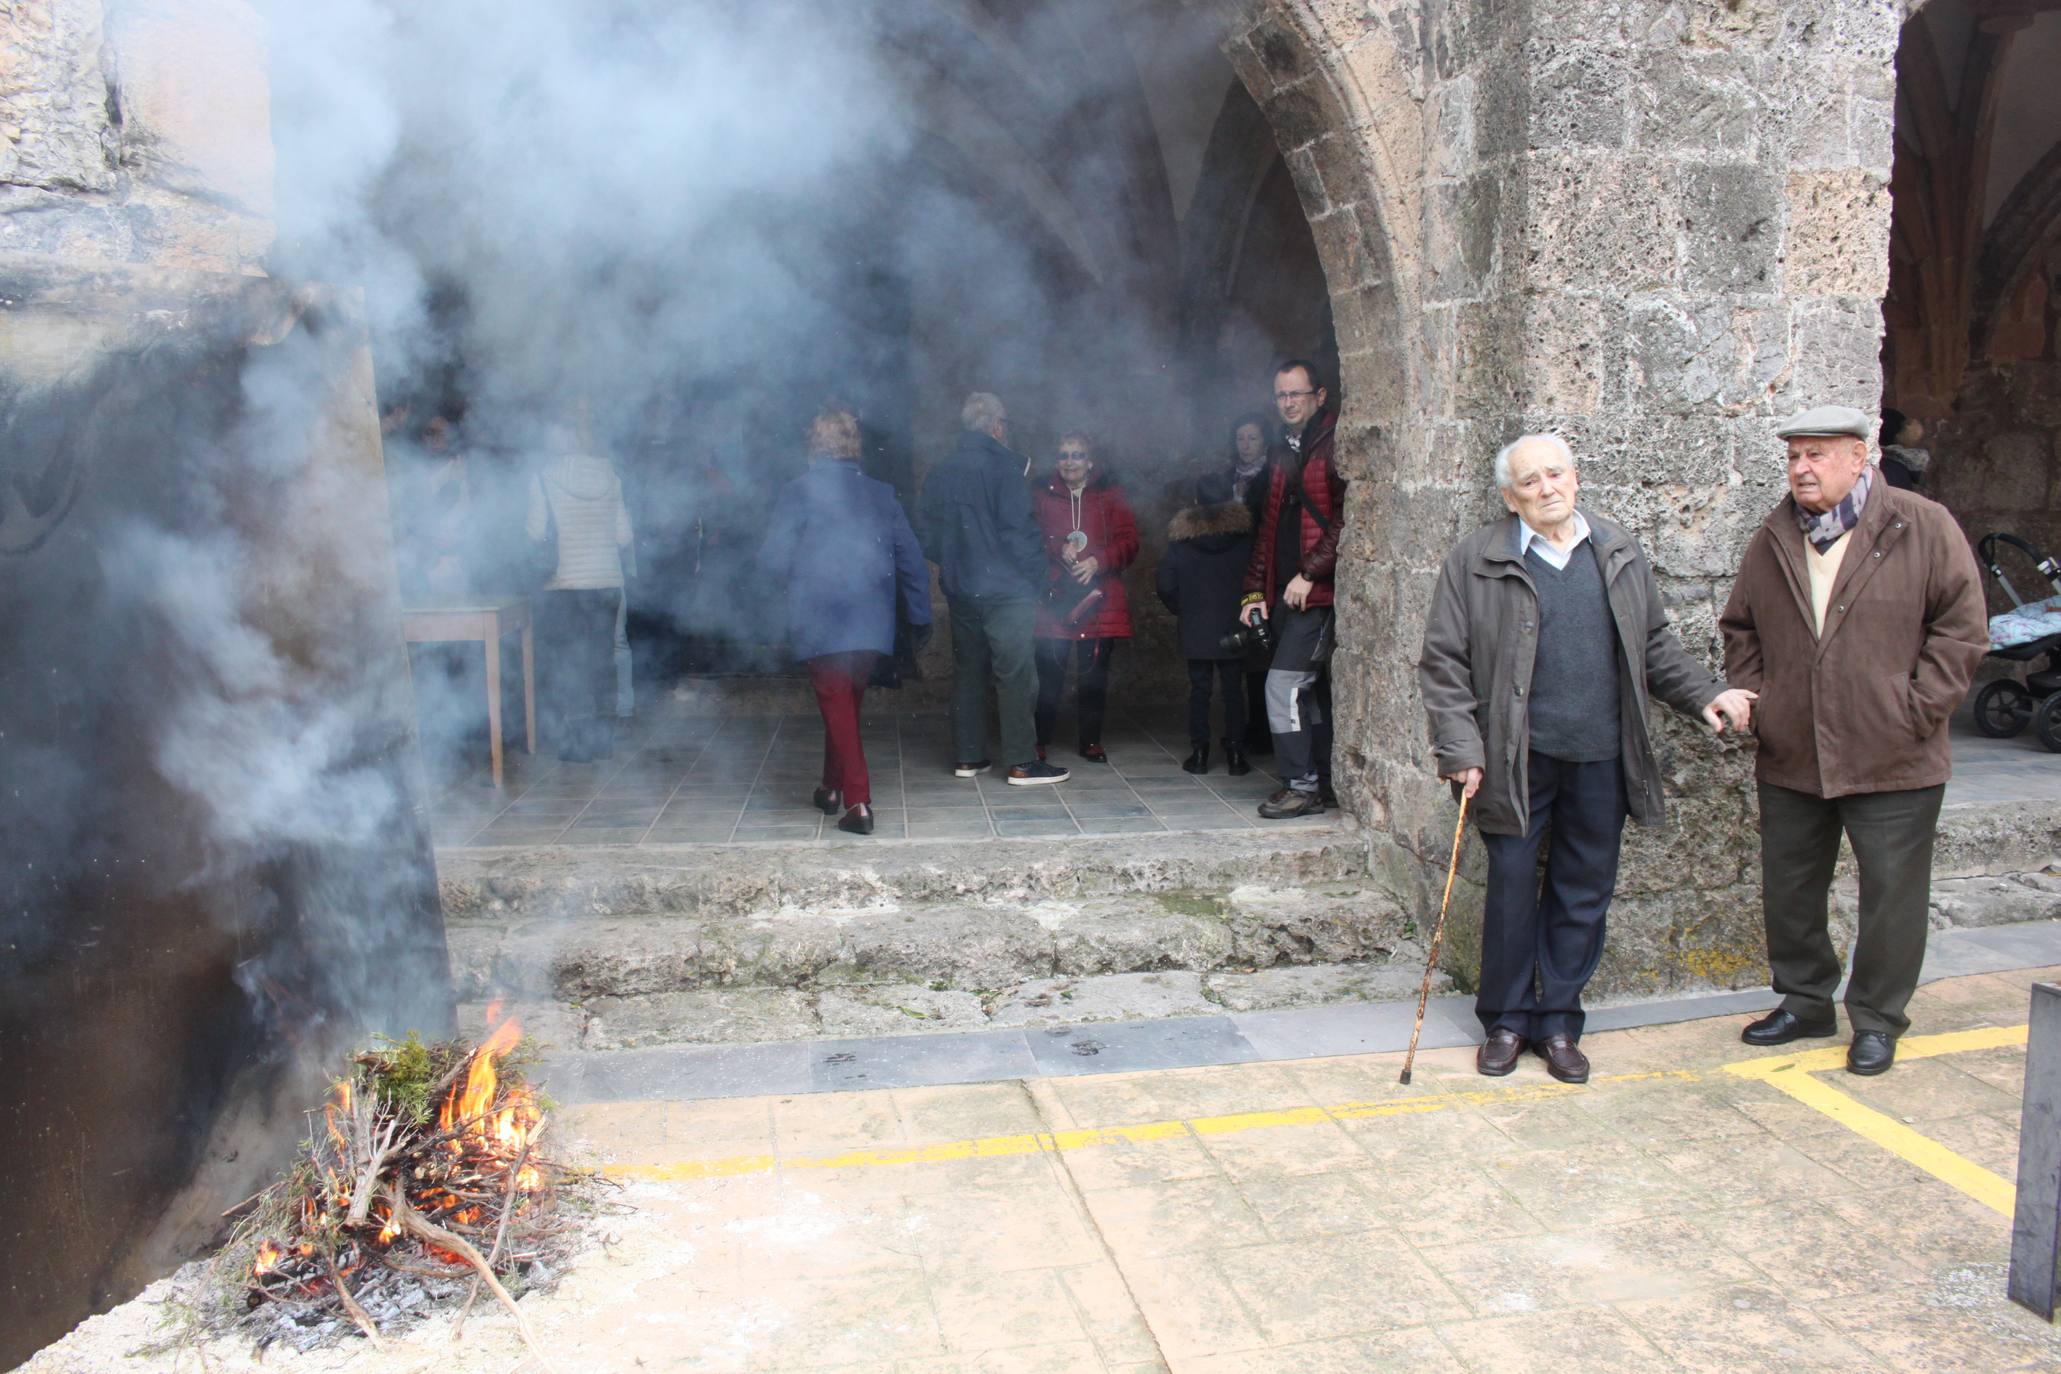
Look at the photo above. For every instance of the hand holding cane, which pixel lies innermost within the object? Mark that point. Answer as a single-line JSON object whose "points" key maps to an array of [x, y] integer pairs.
{"points": [[1438, 935]]}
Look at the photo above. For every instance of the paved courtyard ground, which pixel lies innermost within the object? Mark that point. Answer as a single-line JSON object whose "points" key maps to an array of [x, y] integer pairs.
{"points": [[1696, 1207], [748, 780]]}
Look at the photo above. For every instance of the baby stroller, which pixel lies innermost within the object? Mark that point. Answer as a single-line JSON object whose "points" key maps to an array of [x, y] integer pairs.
{"points": [[2027, 631]]}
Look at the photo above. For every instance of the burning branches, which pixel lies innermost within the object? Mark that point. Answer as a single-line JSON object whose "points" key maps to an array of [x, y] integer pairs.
{"points": [[420, 1174]]}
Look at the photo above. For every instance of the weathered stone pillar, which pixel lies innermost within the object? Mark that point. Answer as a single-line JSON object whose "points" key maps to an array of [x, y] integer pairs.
{"points": [[217, 863], [1653, 228]]}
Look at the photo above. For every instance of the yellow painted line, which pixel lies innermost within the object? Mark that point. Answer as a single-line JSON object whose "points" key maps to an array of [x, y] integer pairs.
{"points": [[1785, 1072], [1956, 1171], [1790, 1074], [1059, 1142]]}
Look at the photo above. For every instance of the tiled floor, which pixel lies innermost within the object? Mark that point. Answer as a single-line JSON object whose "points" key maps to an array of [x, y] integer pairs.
{"points": [[1988, 772], [748, 779]]}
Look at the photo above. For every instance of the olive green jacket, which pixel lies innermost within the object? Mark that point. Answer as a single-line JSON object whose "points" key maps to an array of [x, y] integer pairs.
{"points": [[1481, 639]]}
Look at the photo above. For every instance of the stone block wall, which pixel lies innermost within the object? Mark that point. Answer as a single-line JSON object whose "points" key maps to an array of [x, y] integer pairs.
{"points": [[135, 133], [1654, 228]]}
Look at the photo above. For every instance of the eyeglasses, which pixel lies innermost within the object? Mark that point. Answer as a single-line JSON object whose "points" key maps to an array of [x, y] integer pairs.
{"points": [[1066, 456], [1291, 395]]}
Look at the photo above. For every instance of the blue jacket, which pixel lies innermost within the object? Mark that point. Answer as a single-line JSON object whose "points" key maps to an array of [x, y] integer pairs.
{"points": [[843, 550], [977, 524]]}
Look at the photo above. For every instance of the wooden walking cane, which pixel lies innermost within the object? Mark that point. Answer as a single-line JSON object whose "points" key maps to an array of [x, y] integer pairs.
{"points": [[1438, 935]]}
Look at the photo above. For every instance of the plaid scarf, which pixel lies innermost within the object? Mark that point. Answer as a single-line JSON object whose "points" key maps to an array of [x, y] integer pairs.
{"points": [[1827, 529]]}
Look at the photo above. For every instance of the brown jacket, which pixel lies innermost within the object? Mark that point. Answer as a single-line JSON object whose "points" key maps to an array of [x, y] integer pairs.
{"points": [[1864, 708], [1481, 640]]}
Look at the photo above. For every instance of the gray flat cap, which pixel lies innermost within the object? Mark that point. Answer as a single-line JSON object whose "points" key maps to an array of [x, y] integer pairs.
{"points": [[1826, 420]]}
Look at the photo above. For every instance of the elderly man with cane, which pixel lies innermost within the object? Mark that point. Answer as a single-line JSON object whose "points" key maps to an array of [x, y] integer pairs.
{"points": [[1858, 617], [1545, 640]]}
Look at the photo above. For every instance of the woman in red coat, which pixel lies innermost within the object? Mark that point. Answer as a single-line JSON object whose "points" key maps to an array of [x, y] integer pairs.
{"points": [[1090, 538]]}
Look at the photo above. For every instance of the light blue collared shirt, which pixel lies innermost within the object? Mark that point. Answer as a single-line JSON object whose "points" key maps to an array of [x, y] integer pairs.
{"points": [[1527, 536]]}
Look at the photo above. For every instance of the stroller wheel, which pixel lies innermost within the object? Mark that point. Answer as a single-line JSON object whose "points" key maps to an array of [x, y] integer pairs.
{"points": [[2046, 722], [2002, 709]]}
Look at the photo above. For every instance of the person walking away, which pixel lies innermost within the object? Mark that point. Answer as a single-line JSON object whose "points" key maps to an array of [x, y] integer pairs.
{"points": [[1858, 616], [1199, 577], [1090, 538], [974, 520], [1288, 584], [579, 495], [840, 548], [1545, 641]]}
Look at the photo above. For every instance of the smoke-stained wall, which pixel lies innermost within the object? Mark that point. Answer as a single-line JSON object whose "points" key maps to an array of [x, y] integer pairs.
{"points": [[218, 872]]}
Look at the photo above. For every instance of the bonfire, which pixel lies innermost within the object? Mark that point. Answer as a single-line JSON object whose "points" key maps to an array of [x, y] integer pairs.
{"points": [[421, 1183]]}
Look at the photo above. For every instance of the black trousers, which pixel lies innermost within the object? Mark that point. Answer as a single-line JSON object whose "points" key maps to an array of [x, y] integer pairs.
{"points": [[1891, 834], [1091, 658], [1230, 673], [1541, 939], [576, 671]]}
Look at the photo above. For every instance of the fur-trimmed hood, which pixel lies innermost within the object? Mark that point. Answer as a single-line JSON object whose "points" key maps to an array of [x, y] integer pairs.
{"points": [[1215, 528]]}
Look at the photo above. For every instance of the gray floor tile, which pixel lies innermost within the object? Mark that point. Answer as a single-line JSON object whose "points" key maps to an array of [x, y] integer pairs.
{"points": [[912, 1061], [578, 836], [951, 830], [681, 1072], [1108, 810], [1020, 829], [1121, 825], [1127, 1046]]}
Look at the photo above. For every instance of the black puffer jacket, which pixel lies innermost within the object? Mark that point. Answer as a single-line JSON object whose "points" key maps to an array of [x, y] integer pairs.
{"points": [[976, 523], [1207, 550]]}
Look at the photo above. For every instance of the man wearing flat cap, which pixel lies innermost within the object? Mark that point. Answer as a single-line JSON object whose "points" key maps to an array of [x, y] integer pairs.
{"points": [[1858, 617]]}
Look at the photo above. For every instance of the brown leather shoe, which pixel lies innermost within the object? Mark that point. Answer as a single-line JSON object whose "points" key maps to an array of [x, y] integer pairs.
{"points": [[1564, 1060], [1498, 1054]]}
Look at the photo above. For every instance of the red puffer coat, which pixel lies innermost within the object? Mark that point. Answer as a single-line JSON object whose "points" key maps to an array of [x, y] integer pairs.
{"points": [[1322, 491], [1112, 534]]}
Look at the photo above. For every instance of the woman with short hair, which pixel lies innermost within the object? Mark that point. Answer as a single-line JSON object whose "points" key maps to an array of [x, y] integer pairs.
{"points": [[842, 548], [1090, 538]]}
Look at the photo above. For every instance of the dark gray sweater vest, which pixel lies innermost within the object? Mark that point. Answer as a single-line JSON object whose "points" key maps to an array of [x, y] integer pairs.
{"points": [[1574, 686]]}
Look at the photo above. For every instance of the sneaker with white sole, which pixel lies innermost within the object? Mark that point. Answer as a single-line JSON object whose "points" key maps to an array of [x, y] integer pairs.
{"points": [[971, 770], [1036, 774]]}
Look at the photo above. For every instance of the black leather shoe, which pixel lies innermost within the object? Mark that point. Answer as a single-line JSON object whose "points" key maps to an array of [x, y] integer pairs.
{"points": [[1197, 761], [1564, 1059], [1872, 1052], [827, 801], [858, 820], [1235, 762], [1781, 1025], [1499, 1053]]}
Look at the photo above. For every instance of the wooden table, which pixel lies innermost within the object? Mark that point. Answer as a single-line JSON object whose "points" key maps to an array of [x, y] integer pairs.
{"points": [[486, 622]]}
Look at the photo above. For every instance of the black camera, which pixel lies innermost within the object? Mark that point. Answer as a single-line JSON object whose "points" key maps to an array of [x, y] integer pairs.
{"points": [[1251, 637]]}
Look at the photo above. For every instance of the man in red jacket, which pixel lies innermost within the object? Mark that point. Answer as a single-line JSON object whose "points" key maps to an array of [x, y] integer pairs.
{"points": [[1288, 584]]}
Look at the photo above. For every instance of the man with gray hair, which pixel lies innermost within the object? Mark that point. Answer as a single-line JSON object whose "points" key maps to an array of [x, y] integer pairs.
{"points": [[976, 523], [1858, 616], [1545, 640]]}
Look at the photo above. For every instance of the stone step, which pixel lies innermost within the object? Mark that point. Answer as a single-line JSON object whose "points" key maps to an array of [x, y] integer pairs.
{"points": [[581, 883], [754, 1015], [966, 946]]}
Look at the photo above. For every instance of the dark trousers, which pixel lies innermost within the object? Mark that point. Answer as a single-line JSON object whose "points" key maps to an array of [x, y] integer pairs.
{"points": [[993, 637], [1091, 658], [1258, 738], [1230, 674], [840, 683], [576, 671], [1891, 834], [1541, 940]]}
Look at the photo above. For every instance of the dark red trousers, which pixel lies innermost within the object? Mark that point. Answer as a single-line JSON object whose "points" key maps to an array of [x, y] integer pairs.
{"points": [[840, 681]]}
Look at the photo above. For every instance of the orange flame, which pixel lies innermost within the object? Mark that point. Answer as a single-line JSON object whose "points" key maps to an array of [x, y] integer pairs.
{"points": [[268, 1258], [500, 1132]]}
